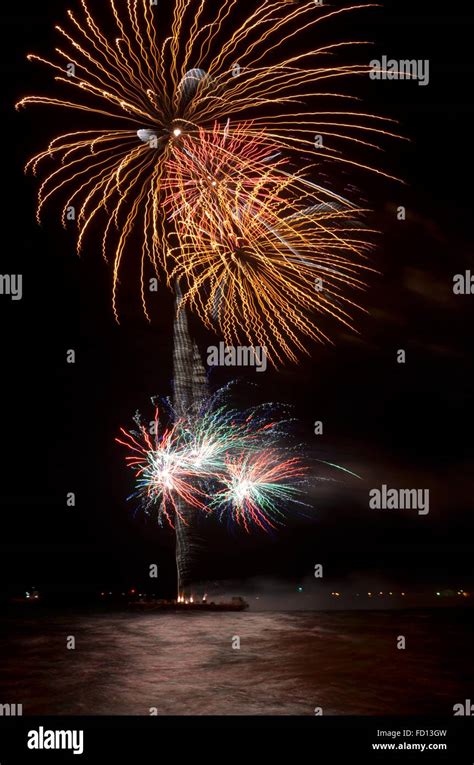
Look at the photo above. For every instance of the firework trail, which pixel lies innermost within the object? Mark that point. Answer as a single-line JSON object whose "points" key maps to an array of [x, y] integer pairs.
{"points": [[248, 254], [257, 275], [211, 175], [164, 471], [241, 466], [198, 459], [189, 393], [259, 489], [153, 94]]}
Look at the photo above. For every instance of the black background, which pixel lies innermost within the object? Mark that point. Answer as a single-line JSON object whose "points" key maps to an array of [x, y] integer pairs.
{"points": [[406, 425]]}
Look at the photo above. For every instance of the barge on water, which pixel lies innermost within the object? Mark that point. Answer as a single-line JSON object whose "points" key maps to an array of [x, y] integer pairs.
{"points": [[183, 604]]}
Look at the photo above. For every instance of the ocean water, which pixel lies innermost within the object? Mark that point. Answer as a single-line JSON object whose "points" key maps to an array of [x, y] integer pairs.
{"points": [[288, 663]]}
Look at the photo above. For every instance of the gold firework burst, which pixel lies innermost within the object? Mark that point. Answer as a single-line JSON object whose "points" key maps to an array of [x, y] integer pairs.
{"points": [[152, 90]]}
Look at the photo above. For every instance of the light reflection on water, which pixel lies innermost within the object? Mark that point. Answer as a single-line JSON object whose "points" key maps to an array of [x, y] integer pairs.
{"points": [[288, 663]]}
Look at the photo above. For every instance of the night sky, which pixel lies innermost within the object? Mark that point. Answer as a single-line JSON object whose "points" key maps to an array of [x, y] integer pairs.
{"points": [[403, 425]]}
